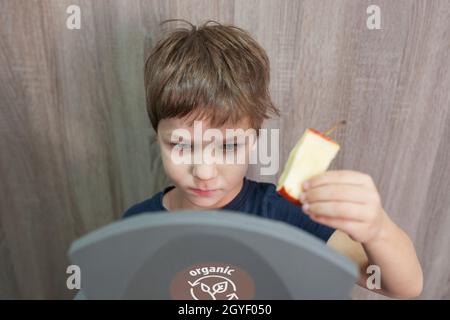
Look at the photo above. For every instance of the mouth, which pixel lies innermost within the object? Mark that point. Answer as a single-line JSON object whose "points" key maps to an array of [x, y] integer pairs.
{"points": [[203, 192]]}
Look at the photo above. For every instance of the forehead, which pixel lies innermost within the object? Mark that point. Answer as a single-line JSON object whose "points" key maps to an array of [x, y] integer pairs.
{"points": [[167, 126]]}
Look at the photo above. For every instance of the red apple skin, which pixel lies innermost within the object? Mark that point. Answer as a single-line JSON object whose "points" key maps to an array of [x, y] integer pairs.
{"points": [[288, 197], [322, 135]]}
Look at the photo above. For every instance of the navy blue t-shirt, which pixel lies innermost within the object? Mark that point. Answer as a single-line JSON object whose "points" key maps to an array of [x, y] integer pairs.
{"points": [[255, 198]]}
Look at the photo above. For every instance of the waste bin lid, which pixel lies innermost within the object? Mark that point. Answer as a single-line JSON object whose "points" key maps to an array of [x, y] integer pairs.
{"points": [[212, 254]]}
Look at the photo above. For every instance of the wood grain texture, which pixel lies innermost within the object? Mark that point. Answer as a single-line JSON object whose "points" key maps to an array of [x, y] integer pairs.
{"points": [[75, 138]]}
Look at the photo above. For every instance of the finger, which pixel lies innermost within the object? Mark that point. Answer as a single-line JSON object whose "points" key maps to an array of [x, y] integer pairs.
{"points": [[344, 225], [340, 192], [341, 176], [338, 210]]}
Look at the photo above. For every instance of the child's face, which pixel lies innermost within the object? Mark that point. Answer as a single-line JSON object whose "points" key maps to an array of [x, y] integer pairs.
{"points": [[205, 173]]}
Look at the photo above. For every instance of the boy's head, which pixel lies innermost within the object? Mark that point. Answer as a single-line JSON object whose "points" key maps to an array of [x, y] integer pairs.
{"points": [[219, 75]]}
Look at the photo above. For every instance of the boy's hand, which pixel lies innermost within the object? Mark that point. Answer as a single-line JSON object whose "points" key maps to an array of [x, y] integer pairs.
{"points": [[345, 200]]}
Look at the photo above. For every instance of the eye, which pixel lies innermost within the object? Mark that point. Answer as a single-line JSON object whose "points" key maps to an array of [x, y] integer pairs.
{"points": [[182, 146], [230, 146]]}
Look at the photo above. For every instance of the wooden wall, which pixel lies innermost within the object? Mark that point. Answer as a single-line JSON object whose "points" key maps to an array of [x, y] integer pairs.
{"points": [[75, 140]]}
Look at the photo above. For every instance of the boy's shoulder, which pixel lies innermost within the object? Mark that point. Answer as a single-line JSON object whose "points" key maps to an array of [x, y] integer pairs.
{"points": [[268, 203], [263, 193], [151, 204]]}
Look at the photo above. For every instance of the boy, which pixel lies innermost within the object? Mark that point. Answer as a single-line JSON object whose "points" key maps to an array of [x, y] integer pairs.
{"points": [[218, 75]]}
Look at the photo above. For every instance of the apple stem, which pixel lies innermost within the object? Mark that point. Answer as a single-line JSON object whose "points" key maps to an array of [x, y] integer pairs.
{"points": [[340, 123]]}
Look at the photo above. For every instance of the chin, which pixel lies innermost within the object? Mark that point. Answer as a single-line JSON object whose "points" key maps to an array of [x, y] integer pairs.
{"points": [[206, 203]]}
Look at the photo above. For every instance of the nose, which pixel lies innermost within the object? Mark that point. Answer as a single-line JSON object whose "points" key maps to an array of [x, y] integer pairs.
{"points": [[204, 171]]}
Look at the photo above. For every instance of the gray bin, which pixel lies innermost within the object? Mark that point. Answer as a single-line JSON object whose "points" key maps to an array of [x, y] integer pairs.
{"points": [[201, 255]]}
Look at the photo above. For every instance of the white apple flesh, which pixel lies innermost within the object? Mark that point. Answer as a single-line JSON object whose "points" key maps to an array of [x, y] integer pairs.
{"points": [[311, 156]]}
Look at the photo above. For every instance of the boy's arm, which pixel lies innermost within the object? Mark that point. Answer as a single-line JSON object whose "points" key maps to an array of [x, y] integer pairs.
{"points": [[349, 202], [356, 252]]}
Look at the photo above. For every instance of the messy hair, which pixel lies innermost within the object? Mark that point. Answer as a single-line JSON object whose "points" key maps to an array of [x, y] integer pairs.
{"points": [[216, 72]]}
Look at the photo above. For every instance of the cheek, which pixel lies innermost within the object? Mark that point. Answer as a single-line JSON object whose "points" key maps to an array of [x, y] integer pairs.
{"points": [[172, 169], [233, 173], [176, 173]]}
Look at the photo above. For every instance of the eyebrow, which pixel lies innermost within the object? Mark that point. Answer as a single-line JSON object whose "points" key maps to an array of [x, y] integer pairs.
{"points": [[233, 139]]}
